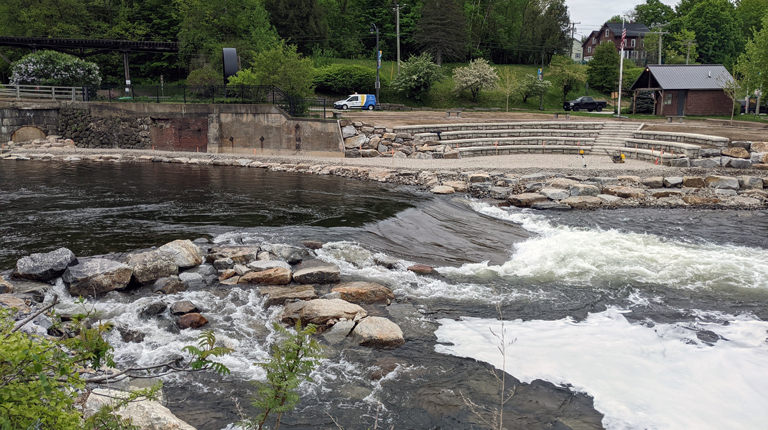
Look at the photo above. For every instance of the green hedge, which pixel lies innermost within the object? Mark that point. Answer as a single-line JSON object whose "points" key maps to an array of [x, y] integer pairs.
{"points": [[345, 79]]}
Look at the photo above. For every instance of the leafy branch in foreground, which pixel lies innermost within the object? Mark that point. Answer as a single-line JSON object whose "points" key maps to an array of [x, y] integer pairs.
{"points": [[293, 359], [40, 375]]}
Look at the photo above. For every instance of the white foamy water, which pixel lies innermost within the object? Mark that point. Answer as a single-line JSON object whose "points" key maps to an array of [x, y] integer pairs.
{"points": [[655, 378], [582, 256]]}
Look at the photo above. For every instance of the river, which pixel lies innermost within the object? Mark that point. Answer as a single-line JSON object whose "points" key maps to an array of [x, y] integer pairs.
{"points": [[622, 319]]}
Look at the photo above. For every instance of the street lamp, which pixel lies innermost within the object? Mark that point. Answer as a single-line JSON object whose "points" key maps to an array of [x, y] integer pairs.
{"points": [[375, 29]]}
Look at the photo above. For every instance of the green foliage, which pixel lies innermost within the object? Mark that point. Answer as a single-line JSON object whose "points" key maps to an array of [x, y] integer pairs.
{"points": [[752, 65], [285, 68], [603, 69], [750, 14], [205, 76], [478, 75], [615, 19], [653, 13], [507, 83], [629, 77], [644, 103], [569, 74], [531, 86], [206, 347], [345, 79], [417, 75], [55, 69], [441, 30], [293, 359], [717, 32], [299, 22], [243, 77]]}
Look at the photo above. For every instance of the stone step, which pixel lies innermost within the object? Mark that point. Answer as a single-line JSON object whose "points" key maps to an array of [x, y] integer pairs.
{"points": [[688, 149], [522, 149], [506, 141], [476, 134], [543, 125]]}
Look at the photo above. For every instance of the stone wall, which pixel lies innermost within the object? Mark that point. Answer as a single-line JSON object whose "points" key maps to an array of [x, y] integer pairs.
{"points": [[89, 132], [39, 115]]}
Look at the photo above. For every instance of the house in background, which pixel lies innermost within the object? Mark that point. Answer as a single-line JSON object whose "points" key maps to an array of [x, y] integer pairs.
{"points": [[680, 89], [611, 32], [576, 52]]}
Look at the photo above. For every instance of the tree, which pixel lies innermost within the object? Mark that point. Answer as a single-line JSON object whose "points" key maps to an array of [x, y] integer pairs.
{"points": [[507, 82], [653, 13], [285, 68], [478, 75], [531, 86], [569, 74], [682, 49], [441, 30], [603, 69], [293, 358], [299, 22], [753, 63], [417, 75], [750, 13], [615, 19], [731, 88], [717, 31], [55, 69]]}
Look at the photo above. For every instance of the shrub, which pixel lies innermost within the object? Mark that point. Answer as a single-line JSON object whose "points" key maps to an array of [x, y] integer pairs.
{"points": [[286, 69], [417, 75], [644, 102], [55, 69], [345, 79], [205, 76], [532, 86], [475, 77]]}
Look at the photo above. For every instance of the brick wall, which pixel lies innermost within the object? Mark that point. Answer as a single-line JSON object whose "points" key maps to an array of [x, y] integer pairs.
{"points": [[712, 102]]}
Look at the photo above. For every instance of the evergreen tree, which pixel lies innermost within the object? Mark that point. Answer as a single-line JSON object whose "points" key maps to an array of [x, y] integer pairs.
{"points": [[441, 30], [603, 69]]}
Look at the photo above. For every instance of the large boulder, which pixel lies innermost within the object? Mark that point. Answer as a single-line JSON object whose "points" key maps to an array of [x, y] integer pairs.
{"points": [[318, 275], [151, 266], [339, 332], [279, 295], [735, 152], [169, 285], [364, 292], [260, 266], [319, 311], [525, 200], [694, 182], [44, 266], [378, 331], [96, 276], [442, 189], [237, 254], [582, 202], [145, 414], [275, 276], [183, 252], [152, 310], [624, 192], [722, 182], [291, 254], [654, 181], [584, 190], [759, 147], [555, 193], [750, 183], [183, 307], [191, 320]]}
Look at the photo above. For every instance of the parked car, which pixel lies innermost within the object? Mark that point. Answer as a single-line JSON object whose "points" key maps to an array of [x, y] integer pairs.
{"points": [[586, 103], [356, 101]]}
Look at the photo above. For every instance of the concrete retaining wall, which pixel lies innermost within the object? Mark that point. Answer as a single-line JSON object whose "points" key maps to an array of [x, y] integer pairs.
{"points": [[251, 129]]}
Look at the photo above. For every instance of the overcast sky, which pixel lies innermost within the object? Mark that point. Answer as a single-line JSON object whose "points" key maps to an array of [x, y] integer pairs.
{"points": [[593, 13]]}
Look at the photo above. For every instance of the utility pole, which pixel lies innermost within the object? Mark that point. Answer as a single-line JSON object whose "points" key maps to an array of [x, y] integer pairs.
{"points": [[688, 43], [661, 35], [541, 78], [573, 32], [375, 29], [397, 20]]}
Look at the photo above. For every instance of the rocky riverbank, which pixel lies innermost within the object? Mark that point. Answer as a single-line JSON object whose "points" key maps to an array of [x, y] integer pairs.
{"points": [[547, 188]]}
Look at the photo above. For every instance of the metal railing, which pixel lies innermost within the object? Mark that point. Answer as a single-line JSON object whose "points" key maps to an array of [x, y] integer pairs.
{"points": [[41, 92]]}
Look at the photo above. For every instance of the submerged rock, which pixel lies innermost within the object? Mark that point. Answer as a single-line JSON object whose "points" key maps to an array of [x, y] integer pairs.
{"points": [[421, 269], [96, 276], [378, 331], [44, 266]]}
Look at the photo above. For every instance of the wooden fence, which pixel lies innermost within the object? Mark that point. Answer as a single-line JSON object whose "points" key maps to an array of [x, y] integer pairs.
{"points": [[19, 92]]}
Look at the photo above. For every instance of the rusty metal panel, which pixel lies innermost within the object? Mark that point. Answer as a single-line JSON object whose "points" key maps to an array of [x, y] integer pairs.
{"points": [[180, 134]]}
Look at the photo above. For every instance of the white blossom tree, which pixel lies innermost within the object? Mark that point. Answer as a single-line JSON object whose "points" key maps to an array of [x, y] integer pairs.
{"points": [[478, 75]]}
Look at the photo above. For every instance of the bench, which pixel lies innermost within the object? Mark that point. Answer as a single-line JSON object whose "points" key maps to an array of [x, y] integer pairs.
{"points": [[567, 115], [456, 111], [680, 117], [337, 114]]}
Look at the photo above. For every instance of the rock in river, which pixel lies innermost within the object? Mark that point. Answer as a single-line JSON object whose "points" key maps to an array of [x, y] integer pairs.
{"points": [[276, 276], [169, 285], [151, 266], [96, 276], [193, 320], [378, 331], [318, 275], [183, 307], [279, 295], [145, 414], [319, 311], [45, 266], [364, 292], [183, 252]]}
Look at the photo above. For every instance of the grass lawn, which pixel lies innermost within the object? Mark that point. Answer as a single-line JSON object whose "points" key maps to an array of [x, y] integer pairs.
{"points": [[443, 96]]}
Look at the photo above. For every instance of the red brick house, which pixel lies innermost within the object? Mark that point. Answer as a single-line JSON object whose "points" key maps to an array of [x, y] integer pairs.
{"points": [[611, 32], [680, 89]]}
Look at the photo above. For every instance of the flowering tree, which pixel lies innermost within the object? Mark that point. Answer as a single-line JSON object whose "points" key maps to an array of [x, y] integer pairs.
{"points": [[478, 75], [55, 69]]}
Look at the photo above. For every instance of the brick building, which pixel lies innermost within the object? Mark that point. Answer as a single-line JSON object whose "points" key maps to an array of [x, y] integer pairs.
{"points": [[611, 32], [680, 89]]}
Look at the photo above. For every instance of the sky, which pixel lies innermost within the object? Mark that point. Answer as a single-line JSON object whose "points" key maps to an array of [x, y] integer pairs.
{"points": [[593, 13]]}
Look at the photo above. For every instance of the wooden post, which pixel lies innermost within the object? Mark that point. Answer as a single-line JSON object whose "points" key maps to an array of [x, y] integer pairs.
{"points": [[661, 103], [634, 104]]}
